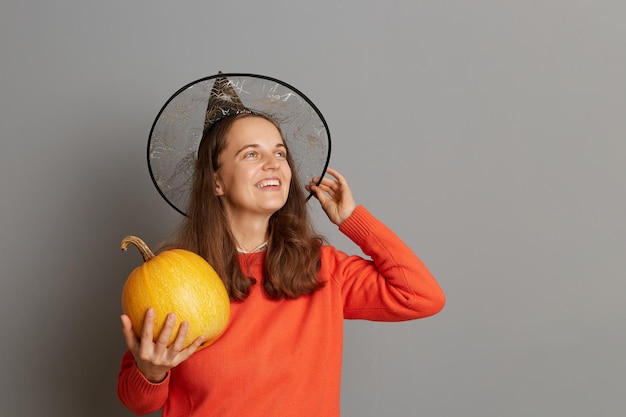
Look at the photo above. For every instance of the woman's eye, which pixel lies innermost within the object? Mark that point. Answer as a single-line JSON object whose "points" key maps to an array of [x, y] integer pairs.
{"points": [[250, 154]]}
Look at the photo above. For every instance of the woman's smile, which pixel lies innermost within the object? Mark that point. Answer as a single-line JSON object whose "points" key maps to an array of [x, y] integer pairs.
{"points": [[270, 184]]}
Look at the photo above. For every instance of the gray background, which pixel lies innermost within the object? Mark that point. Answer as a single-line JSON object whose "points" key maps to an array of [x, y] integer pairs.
{"points": [[489, 134]]}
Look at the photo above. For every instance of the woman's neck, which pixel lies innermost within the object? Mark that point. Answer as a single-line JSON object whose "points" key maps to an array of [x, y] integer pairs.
{"points": [[250, 233]]}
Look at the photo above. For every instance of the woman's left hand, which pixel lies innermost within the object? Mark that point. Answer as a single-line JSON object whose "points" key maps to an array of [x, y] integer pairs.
{"points": [[334, 195]]}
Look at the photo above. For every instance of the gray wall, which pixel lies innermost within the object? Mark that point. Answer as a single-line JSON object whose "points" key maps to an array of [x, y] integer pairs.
{"points": [[489, 134]]}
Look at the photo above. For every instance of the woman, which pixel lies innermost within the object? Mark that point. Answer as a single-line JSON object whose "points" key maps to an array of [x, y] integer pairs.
{"points": [[290, 292]]}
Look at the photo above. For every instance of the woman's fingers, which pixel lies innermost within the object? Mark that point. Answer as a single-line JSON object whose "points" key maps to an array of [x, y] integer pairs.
{"points": [[196, 344], [178, 344], [132, 341], [331, 185], [147, 329], [338, 177], [163, 340], [334, 195]]}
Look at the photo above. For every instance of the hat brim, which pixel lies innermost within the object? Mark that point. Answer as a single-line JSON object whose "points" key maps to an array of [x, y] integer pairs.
{"points": [[177, 130]]}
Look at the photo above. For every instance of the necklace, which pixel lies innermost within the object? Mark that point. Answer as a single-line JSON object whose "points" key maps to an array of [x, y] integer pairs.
{"points": [[260, 248]]}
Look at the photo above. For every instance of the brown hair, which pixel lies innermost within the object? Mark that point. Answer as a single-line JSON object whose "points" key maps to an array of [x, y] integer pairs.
{"points": [[293, 254]]}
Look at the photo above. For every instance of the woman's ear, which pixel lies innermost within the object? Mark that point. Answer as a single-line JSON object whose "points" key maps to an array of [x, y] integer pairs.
{"points": [[219, 189]]}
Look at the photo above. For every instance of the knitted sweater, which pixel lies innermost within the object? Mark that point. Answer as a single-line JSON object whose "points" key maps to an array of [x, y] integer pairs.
{"points": [[283, 358]]}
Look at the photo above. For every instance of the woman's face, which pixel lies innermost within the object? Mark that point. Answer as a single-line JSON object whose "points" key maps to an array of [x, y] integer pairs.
{"points": [[253, 175]]}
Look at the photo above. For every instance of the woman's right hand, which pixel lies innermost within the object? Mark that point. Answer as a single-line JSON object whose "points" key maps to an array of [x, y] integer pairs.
{"points": [[155, 359], [334, 195]]}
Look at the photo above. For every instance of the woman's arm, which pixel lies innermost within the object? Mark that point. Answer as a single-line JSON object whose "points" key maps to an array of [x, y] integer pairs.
{"points": [[144, 375], [393, 285]]}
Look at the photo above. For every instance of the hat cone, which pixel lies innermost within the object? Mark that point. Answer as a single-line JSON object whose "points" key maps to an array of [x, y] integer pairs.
{"points": [[223, 102]]}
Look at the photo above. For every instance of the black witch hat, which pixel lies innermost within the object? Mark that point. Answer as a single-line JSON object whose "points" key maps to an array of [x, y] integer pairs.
{"points": [[181, 122]]}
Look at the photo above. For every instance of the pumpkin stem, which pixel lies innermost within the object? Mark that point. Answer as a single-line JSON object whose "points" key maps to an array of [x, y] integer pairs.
{"points": [[140, 244]]}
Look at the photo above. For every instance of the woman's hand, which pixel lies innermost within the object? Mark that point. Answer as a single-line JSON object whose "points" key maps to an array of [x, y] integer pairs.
{"points": [[155, 359], [334, 195]]}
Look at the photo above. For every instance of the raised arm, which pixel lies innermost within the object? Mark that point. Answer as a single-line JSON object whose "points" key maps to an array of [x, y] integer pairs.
{"points": [[393, 285]]}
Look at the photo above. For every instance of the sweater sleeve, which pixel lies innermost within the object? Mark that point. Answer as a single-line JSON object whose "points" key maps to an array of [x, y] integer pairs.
{"points": [[137, 393], [394, 285]]}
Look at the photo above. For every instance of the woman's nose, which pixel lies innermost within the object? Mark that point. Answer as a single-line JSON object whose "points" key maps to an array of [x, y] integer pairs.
{"points": [[271, 163]]}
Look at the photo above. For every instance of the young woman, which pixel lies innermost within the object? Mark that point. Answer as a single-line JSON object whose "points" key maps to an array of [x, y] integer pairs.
{"points": [[290, 292]]}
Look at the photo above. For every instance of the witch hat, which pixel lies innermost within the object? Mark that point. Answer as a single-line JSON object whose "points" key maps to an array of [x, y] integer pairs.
{"points": [[184, 118], [223, 102]]}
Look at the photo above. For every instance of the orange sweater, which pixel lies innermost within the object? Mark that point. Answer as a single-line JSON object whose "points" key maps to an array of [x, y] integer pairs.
{"points": [[283, 358]]}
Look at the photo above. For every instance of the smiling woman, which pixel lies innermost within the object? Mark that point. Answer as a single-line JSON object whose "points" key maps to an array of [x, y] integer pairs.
{"points": [[290, 291]]}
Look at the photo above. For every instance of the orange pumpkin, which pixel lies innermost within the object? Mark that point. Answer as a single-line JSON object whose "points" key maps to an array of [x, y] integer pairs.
{"points": [[176, 281]]}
